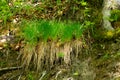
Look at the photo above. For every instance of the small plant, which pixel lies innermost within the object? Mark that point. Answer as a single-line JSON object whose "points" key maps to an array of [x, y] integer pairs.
{"points": [[44, 30], [83, 3], [115, 15], [61, 54], [30, 76], [67, 33], [57, 27], [30, 33], [5, 12]]}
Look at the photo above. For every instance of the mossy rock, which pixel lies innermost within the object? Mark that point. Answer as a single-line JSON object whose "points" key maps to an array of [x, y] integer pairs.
{"points": [[111, 34], [101, 34]]}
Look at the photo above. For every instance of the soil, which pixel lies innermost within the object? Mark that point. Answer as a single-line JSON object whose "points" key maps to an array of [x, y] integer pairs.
{"points": [[100, 63]]}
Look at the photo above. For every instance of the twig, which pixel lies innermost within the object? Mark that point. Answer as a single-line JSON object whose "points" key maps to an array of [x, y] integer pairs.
{"points": [[11, 78], [42, 75], [10, 68], [57, 74], [19, 77]]}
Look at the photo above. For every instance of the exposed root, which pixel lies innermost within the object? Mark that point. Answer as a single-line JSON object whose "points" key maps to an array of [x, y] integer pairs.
{"points": [[46, 55], [28, 54]]}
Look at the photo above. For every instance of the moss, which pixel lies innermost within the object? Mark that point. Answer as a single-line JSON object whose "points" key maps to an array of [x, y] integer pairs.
{"points": [[109, 34], [115, 15], [106, 34]]}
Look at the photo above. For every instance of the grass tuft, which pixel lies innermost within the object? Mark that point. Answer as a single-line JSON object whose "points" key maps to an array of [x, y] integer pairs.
{"points": [[43, 30], [60, 35]]}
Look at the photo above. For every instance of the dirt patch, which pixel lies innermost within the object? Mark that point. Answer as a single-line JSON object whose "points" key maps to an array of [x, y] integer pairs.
{"points": [[98, 62]]}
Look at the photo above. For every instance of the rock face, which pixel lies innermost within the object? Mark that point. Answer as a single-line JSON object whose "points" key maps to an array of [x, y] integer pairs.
{"points": [[109, 5], [118, 3]]}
